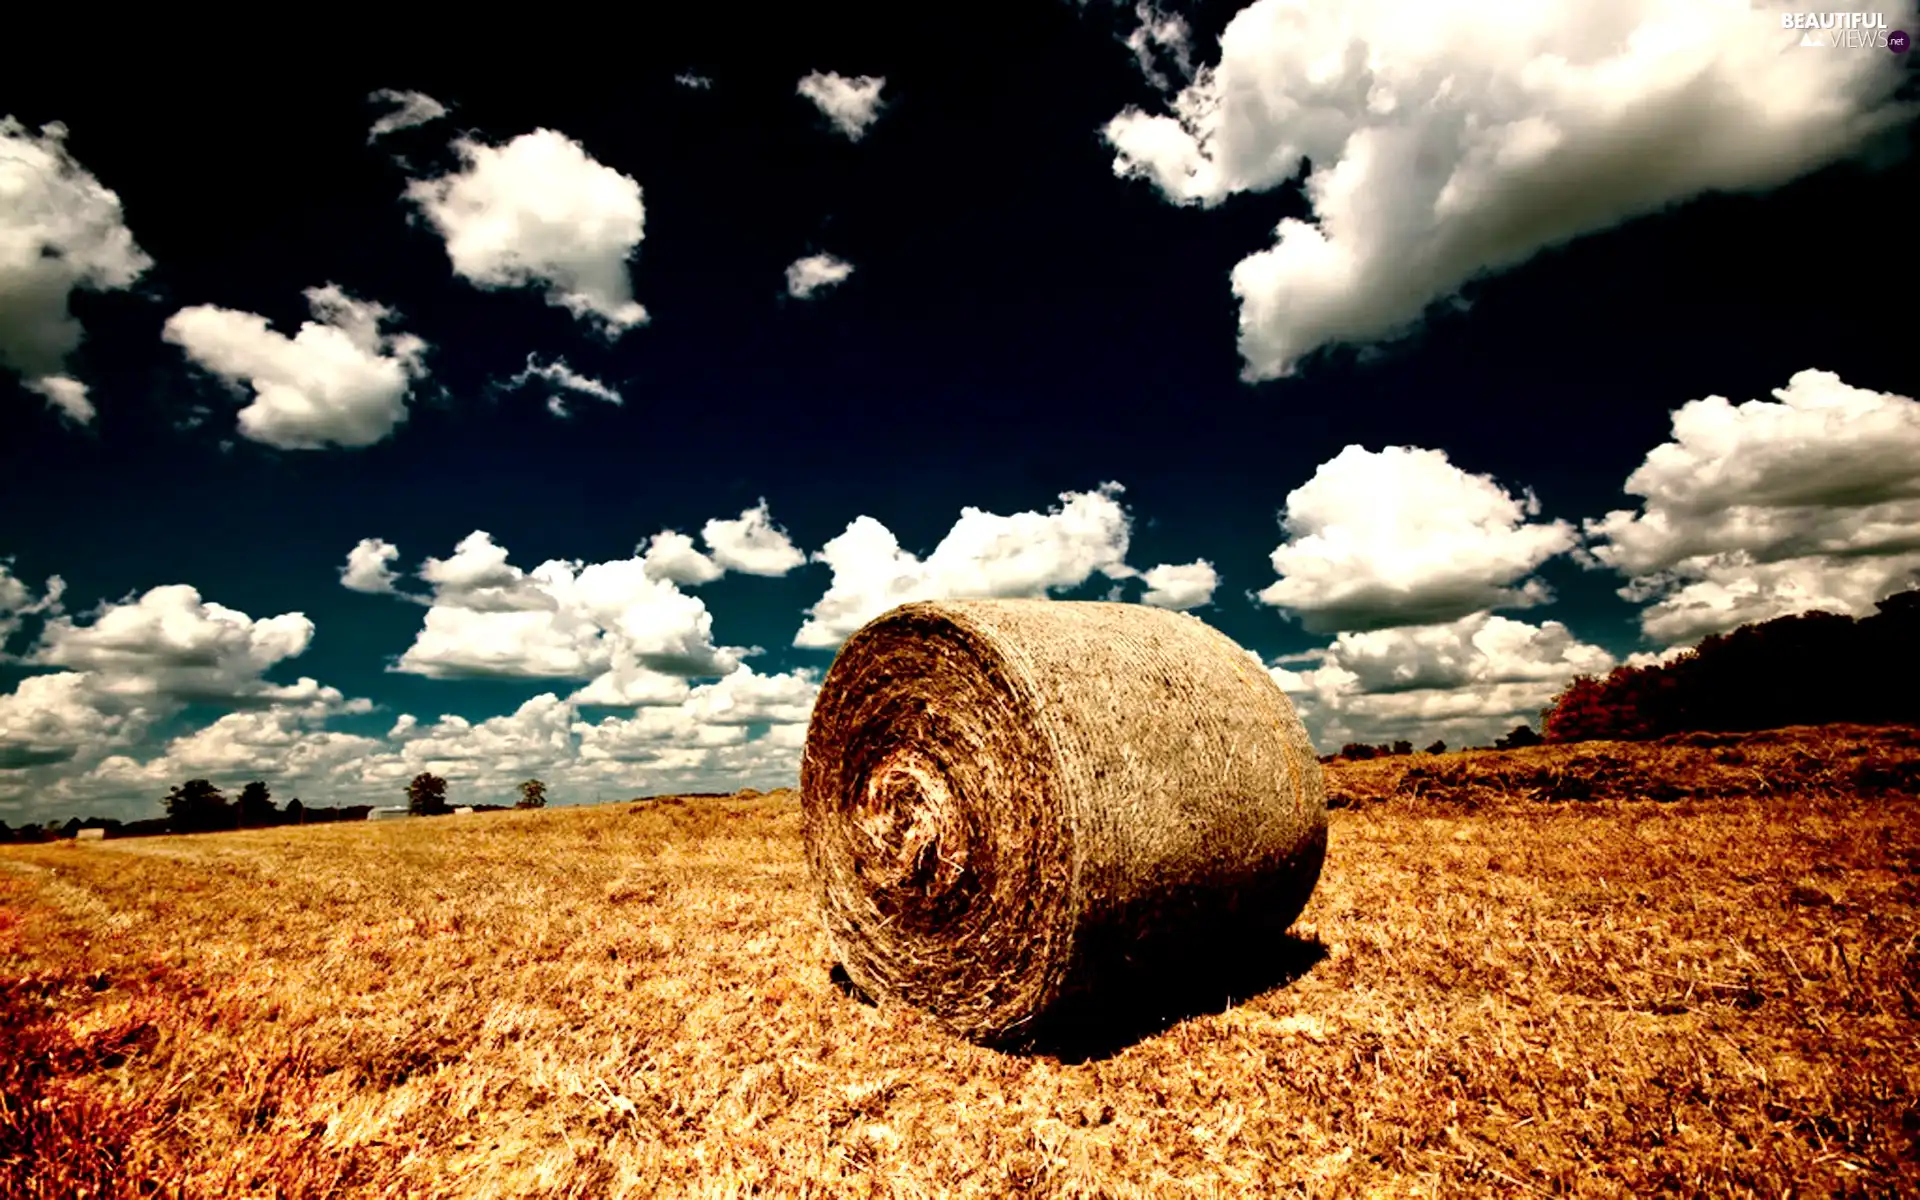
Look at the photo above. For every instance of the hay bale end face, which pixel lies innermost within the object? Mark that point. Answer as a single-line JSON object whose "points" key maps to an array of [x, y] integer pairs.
{"points": [[1007, 801]]}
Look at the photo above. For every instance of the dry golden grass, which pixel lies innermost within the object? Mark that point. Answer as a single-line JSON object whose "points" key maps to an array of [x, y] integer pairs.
{"points": [[1488, 995]]}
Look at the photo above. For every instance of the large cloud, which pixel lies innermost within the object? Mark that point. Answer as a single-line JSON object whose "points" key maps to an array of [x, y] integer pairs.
{"points": [[72, 735], [170, 643], [984, 554], [1463, 681], [1404, 537], [1767, 508], [625, 626], [60, 231], [1449, 139], [852, 104], [47, 719], [541, 212], [341, 380]]}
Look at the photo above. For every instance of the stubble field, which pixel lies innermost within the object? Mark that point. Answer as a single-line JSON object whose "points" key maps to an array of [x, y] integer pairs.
{"points": [[1594, 970]]}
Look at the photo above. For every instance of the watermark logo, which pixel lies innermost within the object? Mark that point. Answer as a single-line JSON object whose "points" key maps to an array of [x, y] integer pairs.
{"points": [[1846, 31]]}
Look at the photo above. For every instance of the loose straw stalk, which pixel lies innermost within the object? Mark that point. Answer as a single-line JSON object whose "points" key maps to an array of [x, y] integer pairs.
{"points": [[1008, 802]]}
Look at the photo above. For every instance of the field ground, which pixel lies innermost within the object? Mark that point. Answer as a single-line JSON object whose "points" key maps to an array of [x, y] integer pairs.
{"points": [[1514, 979]]}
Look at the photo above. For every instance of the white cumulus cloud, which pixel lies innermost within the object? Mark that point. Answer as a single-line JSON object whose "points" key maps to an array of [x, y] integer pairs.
{"points": [[751, 544], [409, 109], [672, 556], [1463, 681], [1769, 508], [628, 629], [984, 554], [1404, 537], [61, 230], [541, 212], [370, 567], [169, 642], [341, 380], [852, 104], [1450, 139], [805, 276], [1184, 586]]}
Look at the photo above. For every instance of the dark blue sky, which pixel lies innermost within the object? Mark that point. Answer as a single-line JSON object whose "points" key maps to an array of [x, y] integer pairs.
{"points": [[1020, 323]]}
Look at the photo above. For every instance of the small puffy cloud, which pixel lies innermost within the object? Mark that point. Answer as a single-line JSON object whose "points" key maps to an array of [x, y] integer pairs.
{"points": [[1450, 139], [67, 395], [410, 109], [1180, 587], [751, 544], [1462, 681], [984, 554], [699, 83], [1769, 508], [672, 556], [541, 212], [851, 104], [60, 231], [1404, 537], [370, 567], [340, 381], [805, 276], [559, 379]]}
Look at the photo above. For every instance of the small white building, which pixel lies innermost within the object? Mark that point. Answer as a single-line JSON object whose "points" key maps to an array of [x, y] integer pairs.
{"points": [[460, 811], [89, 835], [391, 813]]}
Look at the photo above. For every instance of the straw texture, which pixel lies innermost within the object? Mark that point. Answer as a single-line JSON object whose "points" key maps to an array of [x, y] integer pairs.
{"points": [[1007, 802]]}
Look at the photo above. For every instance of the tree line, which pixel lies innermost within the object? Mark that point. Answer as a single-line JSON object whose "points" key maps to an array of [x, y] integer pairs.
{"points": [[198, 806], [1817, 668]]}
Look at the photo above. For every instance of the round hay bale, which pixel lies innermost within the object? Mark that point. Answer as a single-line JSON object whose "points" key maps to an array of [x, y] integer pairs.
{"points": [[1007, 803]]}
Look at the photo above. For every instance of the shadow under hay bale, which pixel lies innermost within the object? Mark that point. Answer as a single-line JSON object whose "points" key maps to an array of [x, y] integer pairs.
{"points": [[1206, 976], [1011, 805], [1154, 992]]}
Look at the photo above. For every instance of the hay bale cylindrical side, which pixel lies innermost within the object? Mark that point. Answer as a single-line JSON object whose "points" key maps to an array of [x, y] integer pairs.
{"points": [[1005, 799]]}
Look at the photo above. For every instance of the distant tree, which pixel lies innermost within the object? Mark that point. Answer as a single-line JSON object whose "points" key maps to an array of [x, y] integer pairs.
{"points": [[1358, 752], [1517, 737], [296, 812], [427, 795], [6, 832], [1438, 747], [197, 805], [533, 794], [256, 805], [1403, 748]]}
